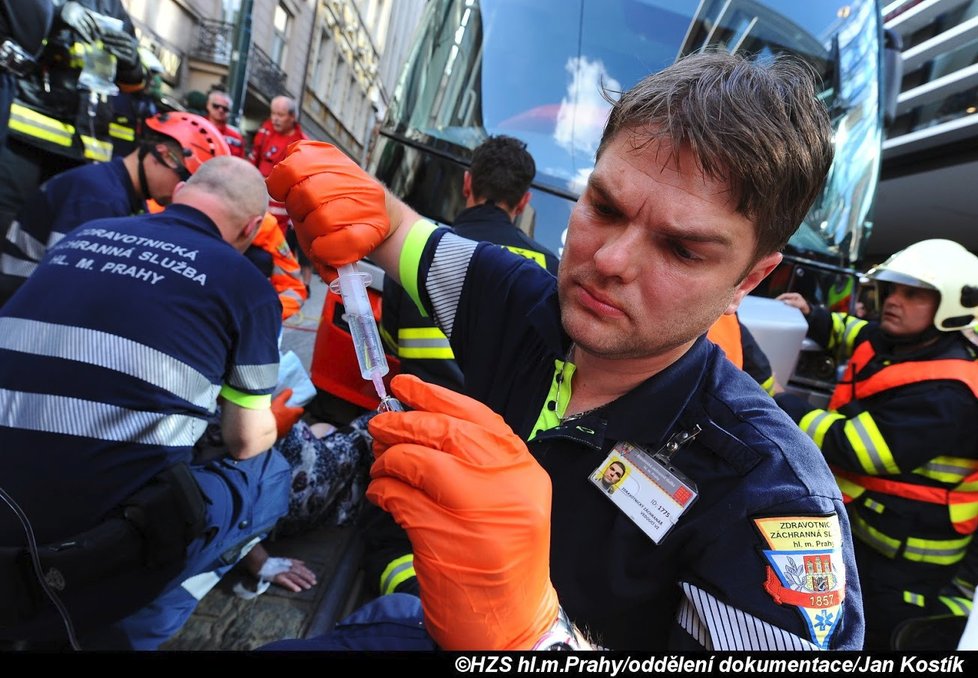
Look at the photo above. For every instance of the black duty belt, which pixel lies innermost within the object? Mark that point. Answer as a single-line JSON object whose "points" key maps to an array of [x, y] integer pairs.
{"points": [[109, 571]]}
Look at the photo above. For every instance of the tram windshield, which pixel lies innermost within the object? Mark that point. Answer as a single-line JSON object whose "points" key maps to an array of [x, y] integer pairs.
{"points": [[538, 71]]}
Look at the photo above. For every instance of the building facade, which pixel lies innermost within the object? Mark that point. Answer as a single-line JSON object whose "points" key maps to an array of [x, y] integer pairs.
{"points": [[338, 59]]}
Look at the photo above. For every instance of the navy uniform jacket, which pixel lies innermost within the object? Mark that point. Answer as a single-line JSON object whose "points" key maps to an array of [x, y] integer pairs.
{"points": [[112, 356], [733, 573], [88, 192], [422, 348]]}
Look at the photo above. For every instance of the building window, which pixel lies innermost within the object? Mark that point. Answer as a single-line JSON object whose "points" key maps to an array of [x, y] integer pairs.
{"points": [[323, 69], [282, 25]]}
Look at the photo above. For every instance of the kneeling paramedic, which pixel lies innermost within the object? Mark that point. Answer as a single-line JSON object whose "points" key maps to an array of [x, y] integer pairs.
{"points": [[106, 387]]}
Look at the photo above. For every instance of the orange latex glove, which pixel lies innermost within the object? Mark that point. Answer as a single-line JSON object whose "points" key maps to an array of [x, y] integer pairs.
{"points": [[285, 416], [338, 210], [476, 506]]}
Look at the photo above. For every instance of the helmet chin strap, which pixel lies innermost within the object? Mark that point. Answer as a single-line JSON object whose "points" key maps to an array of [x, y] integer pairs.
{"points": [[148, 149], [144, 150]]}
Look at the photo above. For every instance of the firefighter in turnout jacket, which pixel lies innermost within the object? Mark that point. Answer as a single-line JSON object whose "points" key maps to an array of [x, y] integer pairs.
{"points": [[899, 432]]}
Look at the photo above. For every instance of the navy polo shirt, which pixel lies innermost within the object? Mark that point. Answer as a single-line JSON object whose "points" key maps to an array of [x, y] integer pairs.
{"points": [[67, 200]]}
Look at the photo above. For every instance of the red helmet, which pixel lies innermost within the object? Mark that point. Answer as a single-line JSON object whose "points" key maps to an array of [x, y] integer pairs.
{"points": [[199, 138]]}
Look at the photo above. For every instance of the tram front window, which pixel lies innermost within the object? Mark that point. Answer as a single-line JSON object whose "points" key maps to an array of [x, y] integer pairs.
{"points": [[539, 71]]}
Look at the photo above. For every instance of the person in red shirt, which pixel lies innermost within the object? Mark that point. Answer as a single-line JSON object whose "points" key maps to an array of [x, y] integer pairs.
{"points": [[218, 108], [272, 140]]}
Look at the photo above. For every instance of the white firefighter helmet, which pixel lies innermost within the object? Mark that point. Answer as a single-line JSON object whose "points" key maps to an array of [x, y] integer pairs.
{"points": [[941, 265]]}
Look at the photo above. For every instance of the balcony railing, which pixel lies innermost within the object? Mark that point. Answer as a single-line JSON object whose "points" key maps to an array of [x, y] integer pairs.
{"points": [[214, 39], [214, 42], [265, 75]]}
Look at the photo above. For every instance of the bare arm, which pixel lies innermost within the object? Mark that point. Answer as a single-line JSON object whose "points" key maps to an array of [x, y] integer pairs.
{"points": [[247, 433], [388, 253]]}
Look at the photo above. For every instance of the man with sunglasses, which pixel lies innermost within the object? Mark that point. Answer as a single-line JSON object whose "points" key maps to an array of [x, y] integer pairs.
{"points": [[172, 148], [218, 108]]}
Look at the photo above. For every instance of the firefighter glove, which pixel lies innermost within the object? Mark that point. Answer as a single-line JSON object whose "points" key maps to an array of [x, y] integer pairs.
{"points": [[476, 506], [80, 20], [337, 209], [124, 48], [285, 416]]}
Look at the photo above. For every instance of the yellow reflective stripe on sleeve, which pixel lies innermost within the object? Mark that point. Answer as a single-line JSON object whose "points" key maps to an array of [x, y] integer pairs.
{"points": [[849, 488], [959, 607], [945, 469], [873, 505], [29, 122], [913, 598], [426, 343], [100, 151], [396, 573], [410, 260], [122, 132], [816, 424], [768, 385], [838, 330], [888, 546], [852, 327], [937, 551], [962, 513], [246, 400], [871, 450], [528, 254], [969, 486]]}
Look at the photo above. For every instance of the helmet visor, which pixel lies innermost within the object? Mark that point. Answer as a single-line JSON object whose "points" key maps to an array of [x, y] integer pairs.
{"points": [[891, 276]]}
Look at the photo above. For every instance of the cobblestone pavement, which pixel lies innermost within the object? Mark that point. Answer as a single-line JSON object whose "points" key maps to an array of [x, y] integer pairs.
{"points": [[224, 621]]}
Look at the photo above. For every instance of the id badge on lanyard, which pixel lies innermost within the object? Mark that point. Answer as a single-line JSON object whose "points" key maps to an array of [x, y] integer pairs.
{"points": [[647, 487]]}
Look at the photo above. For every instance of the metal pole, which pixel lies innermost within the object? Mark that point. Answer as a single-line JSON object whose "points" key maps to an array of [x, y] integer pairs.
{"points": [[238, 65]]}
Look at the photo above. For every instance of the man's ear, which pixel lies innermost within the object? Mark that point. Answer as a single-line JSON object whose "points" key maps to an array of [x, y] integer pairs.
{"points": [[164, 152], [251, 228], [466, 185], [760, 270], [521, 205]]}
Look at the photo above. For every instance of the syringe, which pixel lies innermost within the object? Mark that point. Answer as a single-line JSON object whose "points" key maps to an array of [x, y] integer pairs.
{"points": [[352, 286]]}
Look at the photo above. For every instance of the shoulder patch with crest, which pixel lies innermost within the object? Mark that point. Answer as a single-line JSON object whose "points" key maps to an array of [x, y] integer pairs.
{"points": [[805, 569]]}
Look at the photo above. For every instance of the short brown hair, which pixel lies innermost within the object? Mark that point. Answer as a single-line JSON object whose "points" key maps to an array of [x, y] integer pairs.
{"points": [[502, 170], [758, 126]]}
